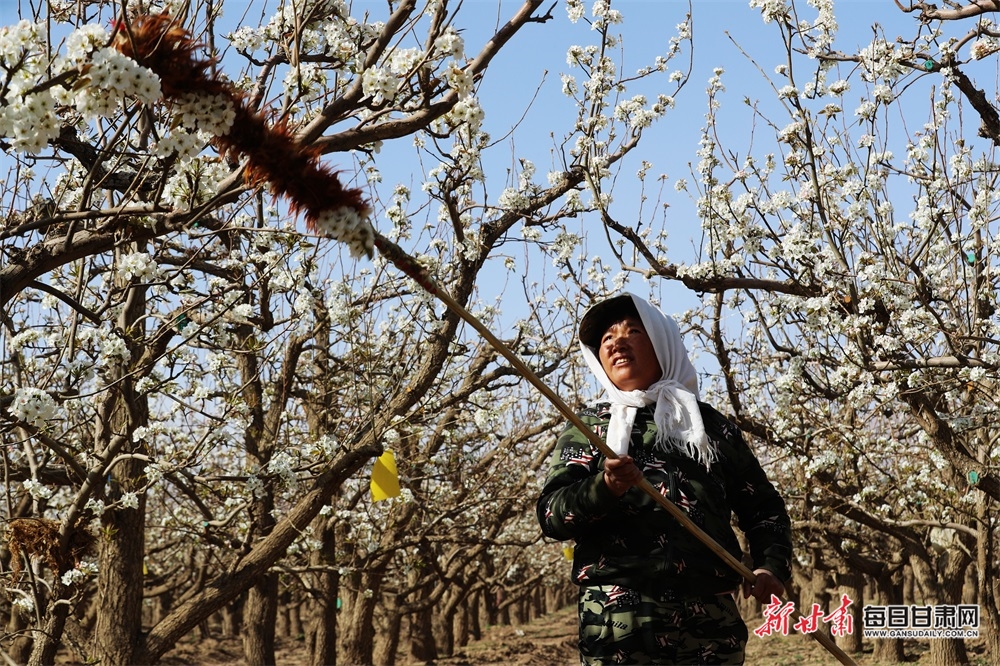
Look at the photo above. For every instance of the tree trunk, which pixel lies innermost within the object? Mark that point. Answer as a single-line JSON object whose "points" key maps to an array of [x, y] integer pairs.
{"points": [[538, 608], [46, 646], [259, 618], [947, 652], [990, 627], [943, 584], [852, 585], [358, 643], [816, 590], [388, 647], [359, 637], [953, 650], [323, 630], [890, 593], [122, 541], [20, 647], [283, 621], [230, 620], [985, 575], [444, 618], [502, 608], [517, 607], [295, 620], [463, 621], [422, 646], [444, 631], [970, 590], [474, 610], [119, 585], [552, 600], [489, 612], [909, 584], [161, 606], [261, 609], [289, 624], [260, 612], [987, 582]]}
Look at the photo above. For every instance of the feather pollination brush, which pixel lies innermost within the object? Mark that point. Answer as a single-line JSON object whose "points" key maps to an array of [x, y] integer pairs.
{"points": [[272, 155]]}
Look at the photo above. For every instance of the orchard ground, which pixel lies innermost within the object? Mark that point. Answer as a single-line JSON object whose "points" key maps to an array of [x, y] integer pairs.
{"points": [[551, 641]]}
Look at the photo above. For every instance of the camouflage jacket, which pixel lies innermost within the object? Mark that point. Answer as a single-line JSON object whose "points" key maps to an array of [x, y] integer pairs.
{"points": [[632, 541]]}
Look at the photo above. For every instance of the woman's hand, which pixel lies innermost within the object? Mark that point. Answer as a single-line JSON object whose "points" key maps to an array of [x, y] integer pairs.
{"points": [[766, 585], [621, 474]]}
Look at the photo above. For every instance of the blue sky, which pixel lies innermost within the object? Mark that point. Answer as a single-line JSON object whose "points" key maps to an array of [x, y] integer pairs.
{"points": [[533, 61], [648, 25], [671, 146]]}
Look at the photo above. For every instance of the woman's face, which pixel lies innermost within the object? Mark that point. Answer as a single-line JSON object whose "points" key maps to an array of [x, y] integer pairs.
{"points": [[627, 355]]}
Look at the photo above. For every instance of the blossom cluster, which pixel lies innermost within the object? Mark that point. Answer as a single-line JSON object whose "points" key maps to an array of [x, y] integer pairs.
{"points": [[196, 179], [772, 10], [197, 119], [110, 347], [379, 84], [79, 574], [137, 266], [347, 226], [466, 113], [111, 77], [34, 406], [28, 109], [37, 490], [984, 47]]}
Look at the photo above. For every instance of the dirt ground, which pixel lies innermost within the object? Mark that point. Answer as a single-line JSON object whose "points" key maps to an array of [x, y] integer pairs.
{"points": [[551, 641]]}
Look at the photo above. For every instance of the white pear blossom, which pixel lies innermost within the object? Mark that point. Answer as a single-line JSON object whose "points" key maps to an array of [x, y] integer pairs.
{"points": [[34, 406], [36, 490], [79, 574], [575, 10], [138, 266], [96, 507], [451, 44], [380, 84]]}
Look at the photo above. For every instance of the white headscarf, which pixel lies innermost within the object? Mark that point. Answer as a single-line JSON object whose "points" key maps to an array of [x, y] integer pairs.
{"points": [[677, 415]]}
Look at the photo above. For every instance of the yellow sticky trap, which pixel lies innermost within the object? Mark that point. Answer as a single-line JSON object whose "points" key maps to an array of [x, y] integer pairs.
{"points": [[568, 552], [385, 478]]}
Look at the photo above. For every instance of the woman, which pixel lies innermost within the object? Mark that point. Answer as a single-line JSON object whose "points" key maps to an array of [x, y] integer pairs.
{"points": [[650, 592]]}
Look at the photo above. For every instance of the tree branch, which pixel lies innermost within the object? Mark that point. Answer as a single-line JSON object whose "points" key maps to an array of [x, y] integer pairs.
{"points": [[929, 12], [357, 136]]}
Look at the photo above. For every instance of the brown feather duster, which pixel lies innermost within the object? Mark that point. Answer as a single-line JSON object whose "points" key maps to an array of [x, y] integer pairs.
{"points": [[272, 155]]}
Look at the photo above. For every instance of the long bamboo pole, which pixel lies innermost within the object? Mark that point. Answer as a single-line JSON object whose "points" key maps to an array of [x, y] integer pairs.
{"points": [[413, 269]]}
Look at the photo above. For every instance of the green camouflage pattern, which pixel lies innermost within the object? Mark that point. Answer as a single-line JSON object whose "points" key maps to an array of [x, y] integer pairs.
{"points": [[619, 625], [634, 542]]}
